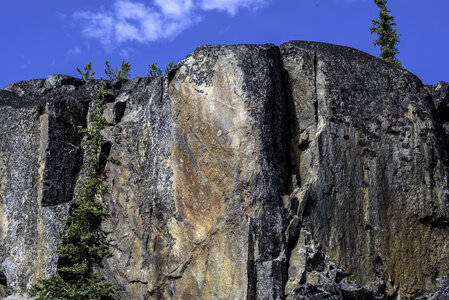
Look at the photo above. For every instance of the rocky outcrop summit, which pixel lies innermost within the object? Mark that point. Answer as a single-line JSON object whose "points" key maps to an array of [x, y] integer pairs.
{"points": [[305, 171]]}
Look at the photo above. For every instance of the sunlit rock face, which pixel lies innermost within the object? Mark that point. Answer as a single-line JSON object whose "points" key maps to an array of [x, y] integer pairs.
{"points": [[305, 171], [197, 199]]}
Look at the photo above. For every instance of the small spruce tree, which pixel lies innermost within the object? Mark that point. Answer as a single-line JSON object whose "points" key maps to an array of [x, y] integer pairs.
{"points": [[168, 67], [84, 243], [387, 36], [88, 74], [122, 73], [154, 71]]}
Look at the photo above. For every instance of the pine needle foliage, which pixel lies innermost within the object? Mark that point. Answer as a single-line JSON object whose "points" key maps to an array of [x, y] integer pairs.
{"points": [[387, 36], [154, 71], [87, 74], [83, 244], [122, 73], [168, 67]]}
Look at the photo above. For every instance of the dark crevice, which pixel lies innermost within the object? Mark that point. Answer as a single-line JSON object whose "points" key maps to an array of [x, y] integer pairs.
{"points": [[251, 265], [377, 265], [119, 111], [443, 114], [104, 154], [163, 90], [3, 280], [291, 237], [172, 72], [111, 85], [315, 93], [286, 157], [291, 128], [138, 281], [440, 222], [293, 150], [40, 110], [303, 146]]}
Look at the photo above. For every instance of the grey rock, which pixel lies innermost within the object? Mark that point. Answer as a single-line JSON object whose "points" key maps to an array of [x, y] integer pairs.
{"points": [[372, 149], [440, 96], [114, 112], [305, 171]]}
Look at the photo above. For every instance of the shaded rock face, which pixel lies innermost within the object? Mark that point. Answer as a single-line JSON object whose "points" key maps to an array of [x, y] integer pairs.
{"points": [[305, 171], [40, 160], [372, 150]]}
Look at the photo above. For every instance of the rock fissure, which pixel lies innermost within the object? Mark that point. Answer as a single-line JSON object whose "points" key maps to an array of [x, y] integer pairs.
{"points": [[137, 281], [315, 90], [440, 222]]}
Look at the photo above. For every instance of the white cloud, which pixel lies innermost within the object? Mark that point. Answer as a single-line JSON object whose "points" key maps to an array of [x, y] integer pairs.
{"points": [[128, 20], [97, 25], [175, 8], [73, 51], [231, 6], [127, 32], [125, 53]]}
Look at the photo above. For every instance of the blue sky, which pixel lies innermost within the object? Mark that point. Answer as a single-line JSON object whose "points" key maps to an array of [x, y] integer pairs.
{"points": [[42, 37]]}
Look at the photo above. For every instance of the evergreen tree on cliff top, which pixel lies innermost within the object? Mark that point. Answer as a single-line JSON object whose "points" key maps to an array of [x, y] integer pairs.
{"points": [[387, 36], [84, 243]]}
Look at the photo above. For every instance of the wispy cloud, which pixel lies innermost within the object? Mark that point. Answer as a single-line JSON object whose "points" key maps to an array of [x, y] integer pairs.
{"points": [[175, 8], [129, 20], [97, 25], [74, 50], [231, 6], [125, 52]]}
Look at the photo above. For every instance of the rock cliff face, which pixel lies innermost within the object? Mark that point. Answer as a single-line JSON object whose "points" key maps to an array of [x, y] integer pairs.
{"points": [[305, 171]]}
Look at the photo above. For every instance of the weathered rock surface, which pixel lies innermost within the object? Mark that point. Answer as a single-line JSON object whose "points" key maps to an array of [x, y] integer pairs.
{"points": [[440, 95], [306, 171], [372, 149]]}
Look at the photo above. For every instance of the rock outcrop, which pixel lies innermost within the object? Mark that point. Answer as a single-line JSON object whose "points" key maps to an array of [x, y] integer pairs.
{"points": [[305, 171]]}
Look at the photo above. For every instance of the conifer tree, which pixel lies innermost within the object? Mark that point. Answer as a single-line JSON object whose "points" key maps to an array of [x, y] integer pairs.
{"points": [[168, 67], [122, 73], [387, 36], [88, 74], [84, 243], [154, 71]]}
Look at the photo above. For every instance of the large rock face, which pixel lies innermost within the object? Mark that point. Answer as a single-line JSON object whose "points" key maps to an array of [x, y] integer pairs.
{"points": [[371, 152], [308, 171]]}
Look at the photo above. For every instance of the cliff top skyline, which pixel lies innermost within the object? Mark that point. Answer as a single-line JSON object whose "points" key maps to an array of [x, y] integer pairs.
{"points": [[53, 37]]}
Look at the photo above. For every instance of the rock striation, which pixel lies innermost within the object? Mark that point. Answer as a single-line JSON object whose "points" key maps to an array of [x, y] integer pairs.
{"points": [[305, 171]]}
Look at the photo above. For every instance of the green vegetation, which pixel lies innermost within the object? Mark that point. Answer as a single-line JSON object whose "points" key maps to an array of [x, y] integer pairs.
{"points": [[387, 36], [83, 244], [168, 67], [154, 71], [122, 73], [87, 75]]}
